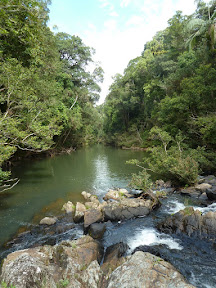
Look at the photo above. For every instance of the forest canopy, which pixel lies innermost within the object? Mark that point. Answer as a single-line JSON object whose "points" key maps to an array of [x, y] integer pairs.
{"points": [[47, 95], [170, 91]]}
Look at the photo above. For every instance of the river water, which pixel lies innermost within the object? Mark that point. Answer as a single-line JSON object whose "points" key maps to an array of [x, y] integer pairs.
{"points": [[46, 184]]}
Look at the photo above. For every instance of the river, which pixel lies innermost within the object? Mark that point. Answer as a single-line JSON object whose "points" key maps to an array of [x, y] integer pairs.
{"points": [[46, 184]]}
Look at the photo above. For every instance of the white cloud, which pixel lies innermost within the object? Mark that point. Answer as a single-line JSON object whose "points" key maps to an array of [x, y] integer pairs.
{"points": [[135, 20], [114, 14], [125, 3], [117, 45], [110, 24]]}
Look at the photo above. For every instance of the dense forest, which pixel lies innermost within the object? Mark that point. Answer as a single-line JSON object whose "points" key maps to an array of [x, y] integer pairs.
{"points": [[164, 102], [47, 94], [166, 99]]}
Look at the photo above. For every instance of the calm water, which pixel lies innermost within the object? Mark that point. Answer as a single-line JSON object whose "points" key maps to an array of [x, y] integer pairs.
{"points": [[45, 185]]}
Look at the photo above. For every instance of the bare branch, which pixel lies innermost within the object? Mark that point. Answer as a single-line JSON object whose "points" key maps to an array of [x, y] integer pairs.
{"points": [[74, 102], [10, 186]]}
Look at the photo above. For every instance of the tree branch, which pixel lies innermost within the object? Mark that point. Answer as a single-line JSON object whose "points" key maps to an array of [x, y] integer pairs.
{"points": [[10, 186]]}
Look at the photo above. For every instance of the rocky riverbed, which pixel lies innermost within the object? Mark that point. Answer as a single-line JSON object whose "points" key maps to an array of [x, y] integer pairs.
{"points": [[90, 262]]}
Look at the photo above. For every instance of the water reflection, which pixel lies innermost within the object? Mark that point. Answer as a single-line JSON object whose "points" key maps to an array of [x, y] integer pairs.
{"points": [[46, 184]]}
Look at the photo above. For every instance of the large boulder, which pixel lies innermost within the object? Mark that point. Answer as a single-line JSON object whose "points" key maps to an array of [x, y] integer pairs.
{"points": [[128, 208], [92, 216], [211, 193], [192, 223], [47, 266], [146, 270], [75, 264], [96, 230]]}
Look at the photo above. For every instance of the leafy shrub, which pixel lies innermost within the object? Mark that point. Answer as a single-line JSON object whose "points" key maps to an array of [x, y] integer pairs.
{"points": [[169, 160]]}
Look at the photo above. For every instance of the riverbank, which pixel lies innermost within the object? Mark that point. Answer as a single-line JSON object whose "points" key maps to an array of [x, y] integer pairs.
{"points": [[167, 249]]}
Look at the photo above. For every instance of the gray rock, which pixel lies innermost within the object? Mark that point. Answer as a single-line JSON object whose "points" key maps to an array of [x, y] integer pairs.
{"points": [[96, 230], [47, 266], [89, 197], [211, 193], [79, 212], [191, 191], [92, 216], [128, 208], [203, 187], [48, 221], [211, 179], [146, 270], [68, 207], [77, 262], [116, 194], [192, 223], [125, 210]]}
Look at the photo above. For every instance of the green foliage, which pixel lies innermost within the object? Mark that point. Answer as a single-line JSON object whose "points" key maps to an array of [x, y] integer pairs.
{"points": [[63, 283], [141, 181], [46, 93], [172, 87], [4, 285]]}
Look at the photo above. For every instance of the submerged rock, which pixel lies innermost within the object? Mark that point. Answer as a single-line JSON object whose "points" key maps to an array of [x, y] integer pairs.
{"points": [[192, 223]]}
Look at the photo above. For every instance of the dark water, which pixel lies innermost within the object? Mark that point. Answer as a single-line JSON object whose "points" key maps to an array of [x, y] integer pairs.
{"points": [[45, 185]]}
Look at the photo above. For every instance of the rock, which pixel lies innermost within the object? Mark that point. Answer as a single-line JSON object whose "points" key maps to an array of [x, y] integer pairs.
{"points": [[89, 197], [79, 212], [113, 257], [203, 197], [114, 252], [48, 221], [128, 208], [191, 191], [62, 228], [96, 230], [90, 205], [191, 223], [211, 179], [211, 193], [203, 187], [156, 250], [116, 194], [146, 270], [160, 184], [86, 195], [91, 276], [92, 216], [76, 261], [68, 207], [26, 269]]}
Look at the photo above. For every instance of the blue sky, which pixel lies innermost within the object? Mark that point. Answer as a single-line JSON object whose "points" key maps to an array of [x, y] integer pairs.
{"points": [[117, 29]]}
